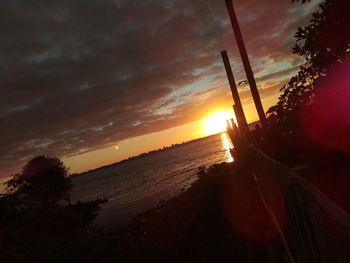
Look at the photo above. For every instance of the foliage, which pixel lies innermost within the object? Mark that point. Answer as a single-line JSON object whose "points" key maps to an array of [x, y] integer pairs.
{"points": [[324, 43], [35, 225], [43, 182]]}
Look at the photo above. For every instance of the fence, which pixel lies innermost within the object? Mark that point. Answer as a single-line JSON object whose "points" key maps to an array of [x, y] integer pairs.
{"points": [[311, 227]]}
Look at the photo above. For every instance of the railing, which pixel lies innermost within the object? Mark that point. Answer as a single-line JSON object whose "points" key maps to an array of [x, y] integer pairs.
{"points": [[311, 227]]}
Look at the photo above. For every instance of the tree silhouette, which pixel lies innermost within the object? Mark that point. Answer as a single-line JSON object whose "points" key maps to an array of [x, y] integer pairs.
{"points": [[36, 226], [43, 182], [324, 43]]}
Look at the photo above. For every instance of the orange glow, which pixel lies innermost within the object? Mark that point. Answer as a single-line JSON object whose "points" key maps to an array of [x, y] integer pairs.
{"points": [[216, 123]]}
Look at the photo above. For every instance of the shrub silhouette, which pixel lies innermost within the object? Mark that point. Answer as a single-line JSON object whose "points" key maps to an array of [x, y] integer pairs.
{"points": [[35, 225], [324, 44], [43, 182]]}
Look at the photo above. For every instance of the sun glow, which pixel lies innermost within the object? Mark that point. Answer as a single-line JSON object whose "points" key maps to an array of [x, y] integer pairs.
{"points": [[216, 123]]}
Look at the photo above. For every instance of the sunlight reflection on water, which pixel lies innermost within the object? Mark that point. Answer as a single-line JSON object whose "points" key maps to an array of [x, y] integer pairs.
{"points": [[227, 145], [142, 183]]}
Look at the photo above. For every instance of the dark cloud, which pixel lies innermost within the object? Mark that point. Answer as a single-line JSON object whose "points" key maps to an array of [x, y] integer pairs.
{"points": [[80, 75]]}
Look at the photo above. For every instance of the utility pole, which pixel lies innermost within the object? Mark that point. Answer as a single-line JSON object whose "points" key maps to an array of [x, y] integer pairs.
{"points": [[246, 63], [241, 120]]}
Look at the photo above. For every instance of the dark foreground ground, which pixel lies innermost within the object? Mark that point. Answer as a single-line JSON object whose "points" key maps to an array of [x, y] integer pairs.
{"points": [[221, 218], [214, 221]]}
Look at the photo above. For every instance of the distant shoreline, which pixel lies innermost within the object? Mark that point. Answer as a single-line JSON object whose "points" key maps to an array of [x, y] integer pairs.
{"points": [[251, 127], [165, 148]]}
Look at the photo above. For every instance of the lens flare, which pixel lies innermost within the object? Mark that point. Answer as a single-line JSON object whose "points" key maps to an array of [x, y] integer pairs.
{"points": [[245, 210], [327, 120]]}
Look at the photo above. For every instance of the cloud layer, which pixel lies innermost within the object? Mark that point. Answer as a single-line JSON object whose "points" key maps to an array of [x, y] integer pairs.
{"points": [[80, 75]]}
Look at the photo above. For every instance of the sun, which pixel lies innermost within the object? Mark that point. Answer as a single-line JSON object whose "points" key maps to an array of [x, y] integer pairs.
{"points": [[216, 123]]}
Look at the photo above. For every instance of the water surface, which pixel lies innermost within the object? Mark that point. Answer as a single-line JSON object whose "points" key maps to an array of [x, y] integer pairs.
{"points": [[140, 184]]}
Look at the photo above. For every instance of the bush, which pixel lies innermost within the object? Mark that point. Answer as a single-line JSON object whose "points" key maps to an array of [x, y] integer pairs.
{"points": [[43, 182]]}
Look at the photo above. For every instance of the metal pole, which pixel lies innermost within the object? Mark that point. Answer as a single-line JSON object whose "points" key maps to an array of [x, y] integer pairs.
{"points": [[241, 120], [246, 63]]}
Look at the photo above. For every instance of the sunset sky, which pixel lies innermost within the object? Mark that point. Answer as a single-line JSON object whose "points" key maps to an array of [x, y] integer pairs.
{"points": [[78, 78]]}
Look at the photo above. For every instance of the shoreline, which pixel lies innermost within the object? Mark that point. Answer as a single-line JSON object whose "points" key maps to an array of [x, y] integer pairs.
{"points": [[190, 227], [210, 222], [205, 177]]}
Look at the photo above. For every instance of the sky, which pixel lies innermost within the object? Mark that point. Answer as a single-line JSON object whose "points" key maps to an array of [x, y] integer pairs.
{"points": [[78, 78]]}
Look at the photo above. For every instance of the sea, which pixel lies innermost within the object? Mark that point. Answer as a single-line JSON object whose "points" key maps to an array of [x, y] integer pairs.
{"points": [[143, 183]]}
